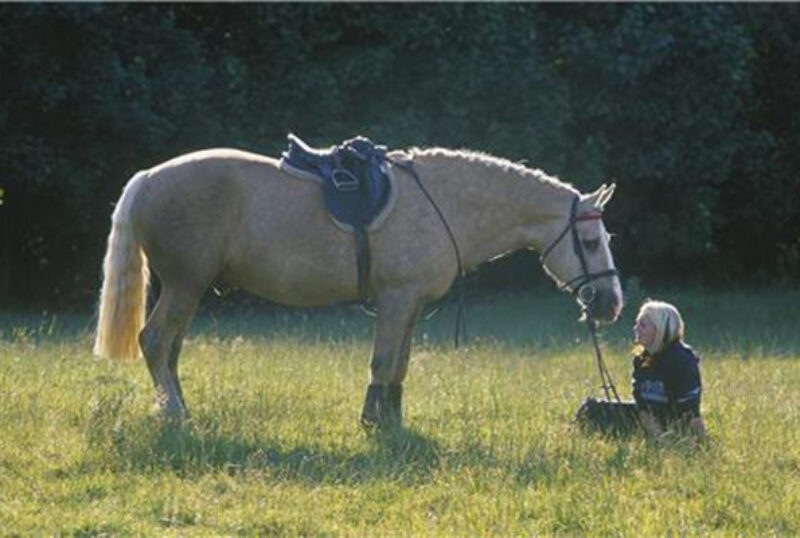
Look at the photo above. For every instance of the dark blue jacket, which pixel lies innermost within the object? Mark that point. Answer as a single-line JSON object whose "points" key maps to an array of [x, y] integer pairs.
{"points": [[669, 383]]}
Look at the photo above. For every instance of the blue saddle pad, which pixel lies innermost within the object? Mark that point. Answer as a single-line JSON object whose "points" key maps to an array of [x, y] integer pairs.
{"points": [[354, 186]]}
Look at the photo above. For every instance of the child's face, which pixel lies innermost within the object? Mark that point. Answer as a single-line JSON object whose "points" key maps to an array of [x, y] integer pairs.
{"points": [[644, 331]]}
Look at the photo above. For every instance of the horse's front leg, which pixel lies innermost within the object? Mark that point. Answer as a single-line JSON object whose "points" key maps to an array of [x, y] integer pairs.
{"points": [[397, 314]]}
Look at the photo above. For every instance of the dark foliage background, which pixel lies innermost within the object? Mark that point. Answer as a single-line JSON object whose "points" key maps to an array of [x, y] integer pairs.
{"points": [[693, 109]]}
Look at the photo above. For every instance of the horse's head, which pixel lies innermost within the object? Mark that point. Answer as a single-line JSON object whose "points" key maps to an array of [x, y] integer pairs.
{"points": [[578, 257]]}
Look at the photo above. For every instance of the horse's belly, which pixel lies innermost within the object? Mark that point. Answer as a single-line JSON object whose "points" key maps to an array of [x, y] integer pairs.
{"points": [[295, 293], [299, 276]]}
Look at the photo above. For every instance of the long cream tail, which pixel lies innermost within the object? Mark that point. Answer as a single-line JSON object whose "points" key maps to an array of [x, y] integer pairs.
{"points": [[125, 282]]}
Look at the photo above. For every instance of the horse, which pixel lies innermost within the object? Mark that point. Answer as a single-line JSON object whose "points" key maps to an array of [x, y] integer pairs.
{"points": [[234, 217]]}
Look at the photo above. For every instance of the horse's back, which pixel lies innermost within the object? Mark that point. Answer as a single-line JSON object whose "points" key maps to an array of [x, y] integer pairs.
{"points": [[234, 215]]}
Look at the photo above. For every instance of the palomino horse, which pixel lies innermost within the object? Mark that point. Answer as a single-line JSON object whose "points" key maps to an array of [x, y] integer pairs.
{"points": [[229, 216]]}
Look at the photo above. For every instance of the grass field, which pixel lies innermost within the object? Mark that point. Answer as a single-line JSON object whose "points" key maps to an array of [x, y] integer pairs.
{"points": [[488, 448]]}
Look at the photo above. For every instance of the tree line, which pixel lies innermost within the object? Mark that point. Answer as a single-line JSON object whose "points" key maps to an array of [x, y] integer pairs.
{"points": [[693, 109]]}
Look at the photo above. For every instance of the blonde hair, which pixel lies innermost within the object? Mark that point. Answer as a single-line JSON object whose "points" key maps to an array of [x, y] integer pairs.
{"points": [[667, 321]]}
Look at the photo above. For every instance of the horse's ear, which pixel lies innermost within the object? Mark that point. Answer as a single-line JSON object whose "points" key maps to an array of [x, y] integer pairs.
{"points": [[600, 197], [606, 192]]}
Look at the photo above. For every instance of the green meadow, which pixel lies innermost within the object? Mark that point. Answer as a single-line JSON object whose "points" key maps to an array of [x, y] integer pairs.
{"points": [[488, 447]]}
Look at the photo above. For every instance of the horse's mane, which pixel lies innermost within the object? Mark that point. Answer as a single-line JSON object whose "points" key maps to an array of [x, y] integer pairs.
{"points": [[492, 161]]}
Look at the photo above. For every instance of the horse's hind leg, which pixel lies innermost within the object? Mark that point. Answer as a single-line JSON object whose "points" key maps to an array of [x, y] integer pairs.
{"points": [[161, 341], [174, 354], [397, 313]]}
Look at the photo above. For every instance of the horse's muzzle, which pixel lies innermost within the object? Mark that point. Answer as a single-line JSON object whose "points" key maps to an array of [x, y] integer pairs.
{"points": [[603, 303]]}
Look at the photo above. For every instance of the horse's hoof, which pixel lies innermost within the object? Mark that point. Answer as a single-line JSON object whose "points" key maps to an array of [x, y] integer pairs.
{"points": [[378, 429], [170, 414], [382, 407], [372, 425], [369, 426]]}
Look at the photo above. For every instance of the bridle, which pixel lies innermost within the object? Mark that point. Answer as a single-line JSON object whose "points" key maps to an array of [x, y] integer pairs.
{"points": [[578, 285]]}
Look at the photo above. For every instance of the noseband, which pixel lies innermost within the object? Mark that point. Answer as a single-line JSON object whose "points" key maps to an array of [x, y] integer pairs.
{"points": [[577, 286]]}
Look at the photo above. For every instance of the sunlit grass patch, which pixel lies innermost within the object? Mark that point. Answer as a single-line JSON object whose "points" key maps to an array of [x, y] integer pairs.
{"points": [[488, 448]]}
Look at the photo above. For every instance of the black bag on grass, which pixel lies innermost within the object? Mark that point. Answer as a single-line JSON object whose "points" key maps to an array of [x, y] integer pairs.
{"points": [[608, 417]]}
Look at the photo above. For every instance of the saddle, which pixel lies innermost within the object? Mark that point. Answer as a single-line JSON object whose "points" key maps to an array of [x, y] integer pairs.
{"points": [[356, 187], [355, 182]]}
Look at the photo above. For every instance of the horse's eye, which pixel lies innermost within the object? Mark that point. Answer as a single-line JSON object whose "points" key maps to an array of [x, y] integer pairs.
{"points": [[591, 244]]}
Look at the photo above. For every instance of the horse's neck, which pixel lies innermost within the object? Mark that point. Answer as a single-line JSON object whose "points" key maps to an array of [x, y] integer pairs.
{"points": [[493, 206]]}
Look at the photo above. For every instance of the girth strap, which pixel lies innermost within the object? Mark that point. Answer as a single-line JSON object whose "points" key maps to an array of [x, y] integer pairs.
{"points": [[362, 246]]}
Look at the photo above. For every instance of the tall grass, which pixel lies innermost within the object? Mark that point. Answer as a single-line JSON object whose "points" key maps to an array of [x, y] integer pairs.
{"points": [[488, 449]]}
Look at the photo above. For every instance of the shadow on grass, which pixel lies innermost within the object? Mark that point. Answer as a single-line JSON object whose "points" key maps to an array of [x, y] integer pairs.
{"points": [[199, 446], [206, 445]]}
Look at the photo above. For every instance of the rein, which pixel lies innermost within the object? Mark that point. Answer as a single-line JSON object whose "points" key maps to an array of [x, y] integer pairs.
{"points": [[461, 319], [605, 376]]}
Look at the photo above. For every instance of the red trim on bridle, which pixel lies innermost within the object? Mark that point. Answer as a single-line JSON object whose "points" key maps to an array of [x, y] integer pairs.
{"points": [[590, 216]]}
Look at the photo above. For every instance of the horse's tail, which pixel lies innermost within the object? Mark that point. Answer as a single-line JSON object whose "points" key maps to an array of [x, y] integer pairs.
{"points": [[125, 282]]}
